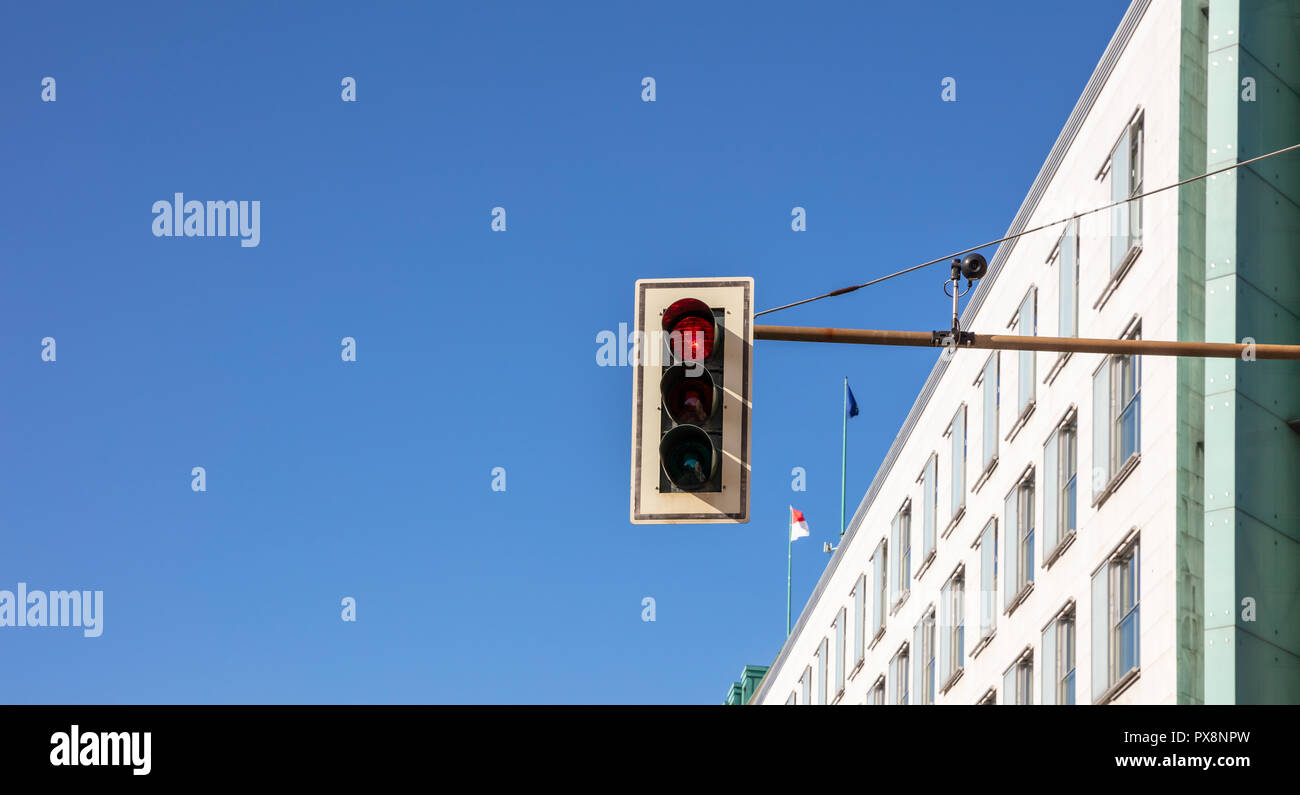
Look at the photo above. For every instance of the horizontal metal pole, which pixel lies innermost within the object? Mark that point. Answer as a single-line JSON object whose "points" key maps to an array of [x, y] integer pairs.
{"points": [[926, 339], [859, 336]]}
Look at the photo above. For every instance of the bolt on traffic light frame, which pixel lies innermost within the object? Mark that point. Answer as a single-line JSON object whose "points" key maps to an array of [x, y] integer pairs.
{"points": [[692, 377]]}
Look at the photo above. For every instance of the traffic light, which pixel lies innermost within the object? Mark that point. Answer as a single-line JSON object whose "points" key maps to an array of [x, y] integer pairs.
{"points": [[692, 373]]}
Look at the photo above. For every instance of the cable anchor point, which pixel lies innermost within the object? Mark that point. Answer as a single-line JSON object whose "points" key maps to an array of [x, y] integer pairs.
{"points": [[973, 268]]}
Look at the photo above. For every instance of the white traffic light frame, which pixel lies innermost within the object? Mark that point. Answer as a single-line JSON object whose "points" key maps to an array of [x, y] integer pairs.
{"points": [[735, 296]]}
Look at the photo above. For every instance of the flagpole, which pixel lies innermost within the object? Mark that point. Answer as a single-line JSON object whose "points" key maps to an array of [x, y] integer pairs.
{"points": [[789, 546], [844, 451]]}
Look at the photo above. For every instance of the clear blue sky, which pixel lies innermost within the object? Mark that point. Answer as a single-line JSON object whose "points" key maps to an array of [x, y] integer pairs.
{"points": [[475, 349]]}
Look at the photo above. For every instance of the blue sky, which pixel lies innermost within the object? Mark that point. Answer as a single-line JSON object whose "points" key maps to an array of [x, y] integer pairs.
{"points": [[475, 349]]}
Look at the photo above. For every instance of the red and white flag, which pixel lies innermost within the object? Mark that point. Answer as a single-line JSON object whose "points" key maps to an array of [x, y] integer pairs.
{"points": [[798, 525]]}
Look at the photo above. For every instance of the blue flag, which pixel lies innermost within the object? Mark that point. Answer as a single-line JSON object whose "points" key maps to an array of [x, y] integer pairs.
{"points": [[853, 404]]}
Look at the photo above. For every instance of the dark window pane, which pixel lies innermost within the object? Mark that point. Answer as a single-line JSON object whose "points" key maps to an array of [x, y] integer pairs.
{"points": [[1068, 503], [1128, 443], [1128, 642]]}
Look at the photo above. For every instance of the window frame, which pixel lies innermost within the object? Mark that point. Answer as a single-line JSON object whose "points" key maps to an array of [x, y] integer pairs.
{"points": [[958, 469], [880, 595], [1126, 563], [859, 594], [1136, 179], [1062, 489], [1067, 640], [1020, 674], [899, 667], [1125, 217], [1116, 471], [1067, 485], [990, 419], [929, 512], [901, 536], [1025, 681], [1026, 362], [1065, 255], [823, 664], [988, 585], [841, 652], [1059, 661], [1108, 651], [1022, 540], [1125, 367], [926, 659], [952, 625], [1069, 241]]}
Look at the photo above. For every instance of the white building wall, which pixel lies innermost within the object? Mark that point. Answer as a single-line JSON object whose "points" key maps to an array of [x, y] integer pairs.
{"points": [[1145, 78]]}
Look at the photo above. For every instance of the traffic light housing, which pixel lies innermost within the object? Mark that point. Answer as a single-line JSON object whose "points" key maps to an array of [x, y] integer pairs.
{"points": [[692, 374]]}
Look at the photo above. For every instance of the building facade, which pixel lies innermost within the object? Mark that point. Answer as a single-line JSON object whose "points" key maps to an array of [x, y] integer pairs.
{"points": [[1080, 529]]}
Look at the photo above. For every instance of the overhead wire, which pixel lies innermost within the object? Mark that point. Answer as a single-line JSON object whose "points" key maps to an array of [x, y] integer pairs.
{"points": [[1039, 228]]}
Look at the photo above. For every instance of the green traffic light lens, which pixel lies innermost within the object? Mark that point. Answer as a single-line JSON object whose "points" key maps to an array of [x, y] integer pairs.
{"points": [[688, 456]]}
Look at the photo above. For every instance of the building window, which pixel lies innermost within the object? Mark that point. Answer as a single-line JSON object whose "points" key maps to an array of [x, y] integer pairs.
{"points": [[929, 506], [1117, 417], [1126, 386], [805, 685], [821, 672], [1065, 653], [923, 651], [952, 629], [791, 700], [1026, 326], [1126, 182], [1058, 660], [1017, 682], [1019, 524], [901, 541], [988, 545], [1124, 636], [898, 676], [880, 575], [840, 654], [860, 620], [1115, 619], [878, 691], [1060, 475], [989, 378], [991, 697], [1068, 282], [957, 430]]}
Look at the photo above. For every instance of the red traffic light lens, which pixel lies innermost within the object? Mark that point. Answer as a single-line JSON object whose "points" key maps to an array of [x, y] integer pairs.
{"points": [[696, 340], [690, 328]]}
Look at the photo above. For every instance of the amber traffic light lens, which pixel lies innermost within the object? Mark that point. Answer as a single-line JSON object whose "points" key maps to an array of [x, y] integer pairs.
{"points": [[690, 397]]}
